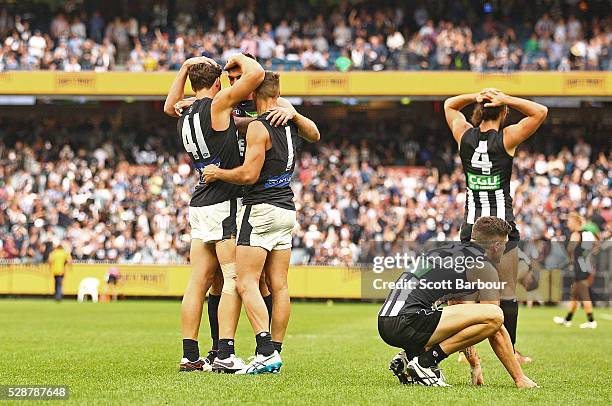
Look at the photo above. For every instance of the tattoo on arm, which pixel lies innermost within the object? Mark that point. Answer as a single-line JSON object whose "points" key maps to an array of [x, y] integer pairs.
{"points": [[471, 354]]}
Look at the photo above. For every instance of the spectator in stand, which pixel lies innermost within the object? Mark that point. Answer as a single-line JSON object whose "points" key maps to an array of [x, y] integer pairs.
{"points": [[127, 201], [404, 37]]}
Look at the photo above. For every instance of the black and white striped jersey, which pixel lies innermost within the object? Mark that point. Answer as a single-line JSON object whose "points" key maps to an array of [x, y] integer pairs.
{"points": [[437, 278], [273, 185], [583, 268], [488, 169], [207, 146]]}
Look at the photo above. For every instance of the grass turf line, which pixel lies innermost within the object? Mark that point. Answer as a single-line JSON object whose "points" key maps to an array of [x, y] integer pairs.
{"points": [[128, 353]]}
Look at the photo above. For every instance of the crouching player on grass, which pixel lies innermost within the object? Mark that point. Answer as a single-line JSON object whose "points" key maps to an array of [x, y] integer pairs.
{"points": [[410, 320], [266, 220]]}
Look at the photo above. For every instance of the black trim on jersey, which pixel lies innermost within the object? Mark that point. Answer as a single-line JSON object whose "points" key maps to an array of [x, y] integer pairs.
{"points": [[245, 228]]}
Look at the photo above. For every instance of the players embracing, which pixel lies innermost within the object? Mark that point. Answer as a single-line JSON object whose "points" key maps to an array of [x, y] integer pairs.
{"points": [[266, 219], [210, 135]]}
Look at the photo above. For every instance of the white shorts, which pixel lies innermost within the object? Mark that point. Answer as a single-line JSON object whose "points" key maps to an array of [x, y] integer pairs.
{"points": [[266, 226], [215, 222]]}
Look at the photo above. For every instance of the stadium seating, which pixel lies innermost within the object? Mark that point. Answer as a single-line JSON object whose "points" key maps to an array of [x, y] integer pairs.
{"points": [[437, 35]]}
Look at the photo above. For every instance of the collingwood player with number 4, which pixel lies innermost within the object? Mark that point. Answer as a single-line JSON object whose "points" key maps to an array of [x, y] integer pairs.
{"points": [[266, 220], [486, 151]]}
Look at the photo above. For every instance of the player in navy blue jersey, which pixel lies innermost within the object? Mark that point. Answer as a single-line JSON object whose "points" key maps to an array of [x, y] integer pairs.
{"points": [[266, 220], [210, 136]]}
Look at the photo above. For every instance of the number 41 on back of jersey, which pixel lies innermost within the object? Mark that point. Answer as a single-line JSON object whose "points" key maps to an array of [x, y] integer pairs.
{"points": [[199, 150]]}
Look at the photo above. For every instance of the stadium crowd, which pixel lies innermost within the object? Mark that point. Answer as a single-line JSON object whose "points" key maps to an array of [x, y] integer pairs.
{"points": [[126, 200], [453, 34]]}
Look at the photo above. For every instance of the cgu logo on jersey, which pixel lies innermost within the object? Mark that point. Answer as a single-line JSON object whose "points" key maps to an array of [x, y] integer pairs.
{"points": [[483, 182]]}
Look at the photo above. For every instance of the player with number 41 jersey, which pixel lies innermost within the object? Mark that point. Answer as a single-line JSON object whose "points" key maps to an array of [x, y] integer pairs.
{"points": [[207, 146]]}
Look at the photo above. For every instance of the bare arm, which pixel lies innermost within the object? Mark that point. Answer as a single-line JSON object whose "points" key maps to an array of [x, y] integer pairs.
{"points": [[177, 92], [502, 346], [454, 117], [500, 341], [517, 133], [248, 173], [177, 89], [306, 127], [223, 103], [470, 353]]}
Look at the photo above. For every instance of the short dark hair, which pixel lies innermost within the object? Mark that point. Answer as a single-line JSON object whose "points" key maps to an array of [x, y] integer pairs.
{"points": [[486, 227], [203, 76], [270, 87], [482, 113]]}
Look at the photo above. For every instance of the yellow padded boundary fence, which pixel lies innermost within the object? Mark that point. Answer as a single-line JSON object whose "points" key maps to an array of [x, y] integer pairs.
{"points": [[352, 84], [169, 280], [311, 282]]}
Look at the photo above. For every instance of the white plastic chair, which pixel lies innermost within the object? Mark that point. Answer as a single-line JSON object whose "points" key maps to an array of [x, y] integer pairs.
{"points": [[89, 286]]}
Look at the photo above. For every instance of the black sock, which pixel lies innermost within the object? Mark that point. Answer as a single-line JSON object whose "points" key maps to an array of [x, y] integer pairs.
{"points": [[510, 309], [191, 351], [213, 320], [432, 357], [278, 346], [268, 302], [569, 316], [226, 348], [264, 343], [590, 317]]}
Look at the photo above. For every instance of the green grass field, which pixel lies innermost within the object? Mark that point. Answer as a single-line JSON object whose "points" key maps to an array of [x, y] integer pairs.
{"points": [[128, 352]]}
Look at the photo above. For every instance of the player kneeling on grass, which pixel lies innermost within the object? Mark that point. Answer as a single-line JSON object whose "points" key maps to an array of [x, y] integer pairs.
{"points": [[266, 220], [410, 320]]}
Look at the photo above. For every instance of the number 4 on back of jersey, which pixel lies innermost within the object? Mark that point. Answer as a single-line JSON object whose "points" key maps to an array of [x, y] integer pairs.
{"points": [[480, 159]]}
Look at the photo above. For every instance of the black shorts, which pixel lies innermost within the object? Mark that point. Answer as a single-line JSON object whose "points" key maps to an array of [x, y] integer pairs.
{"points": [[513, 238], [112, 279], [409, 331], [580, 290]]}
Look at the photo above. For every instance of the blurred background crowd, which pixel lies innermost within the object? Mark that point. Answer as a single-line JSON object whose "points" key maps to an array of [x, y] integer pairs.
{"points": [[117, 190], [346, 35]]}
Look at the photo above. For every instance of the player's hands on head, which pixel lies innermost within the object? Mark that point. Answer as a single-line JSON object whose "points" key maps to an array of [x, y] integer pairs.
{"points": [[492, 97], [280, 115], [525, 383], [487, 95], [210, 173], [198, 60]]}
